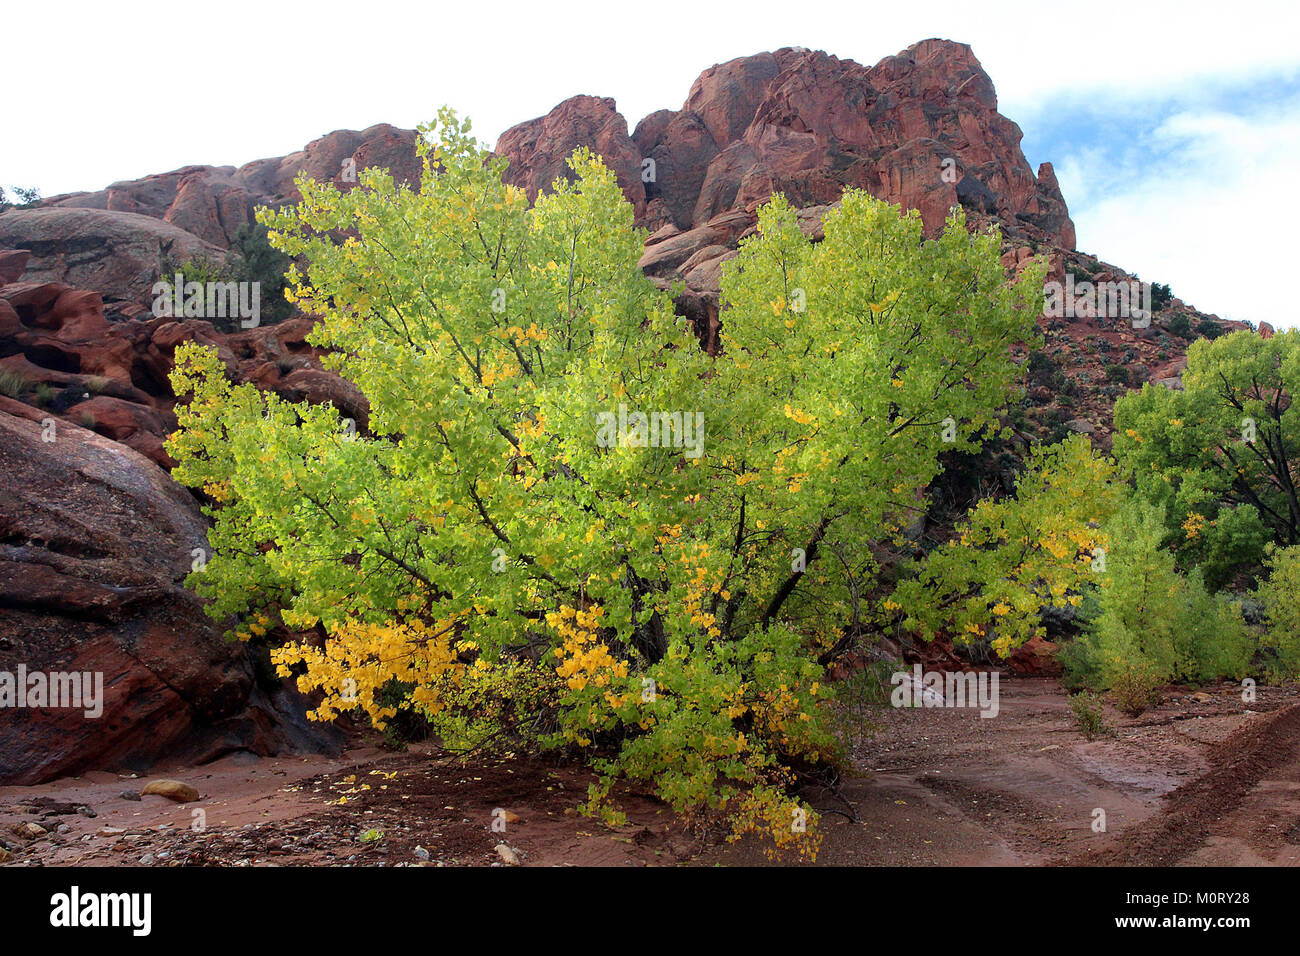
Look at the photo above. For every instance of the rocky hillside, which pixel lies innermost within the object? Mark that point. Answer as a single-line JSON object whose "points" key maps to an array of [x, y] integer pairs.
{"points": [[95, 538]]}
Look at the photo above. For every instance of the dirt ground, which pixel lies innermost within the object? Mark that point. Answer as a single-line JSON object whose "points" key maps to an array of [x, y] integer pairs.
{"points": [[1202, 779]]}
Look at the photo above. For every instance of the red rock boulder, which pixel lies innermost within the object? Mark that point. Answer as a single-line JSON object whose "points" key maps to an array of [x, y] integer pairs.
{"points": [[1034, 658], [539, 149], [95, 544]]}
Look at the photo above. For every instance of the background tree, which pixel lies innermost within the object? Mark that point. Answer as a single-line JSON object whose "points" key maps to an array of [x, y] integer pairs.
{"points": [[23, 198], [259, 261], [1043, 547], [251, 258], [1220, 457]]}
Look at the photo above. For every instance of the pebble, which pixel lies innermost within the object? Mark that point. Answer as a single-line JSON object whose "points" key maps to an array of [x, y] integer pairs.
{"points": [[507, 854], [172, 790]]}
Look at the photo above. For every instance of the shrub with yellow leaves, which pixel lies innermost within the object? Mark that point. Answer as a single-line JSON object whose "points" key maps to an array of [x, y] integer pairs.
{"points": [[1015, 557], [667, 615]]}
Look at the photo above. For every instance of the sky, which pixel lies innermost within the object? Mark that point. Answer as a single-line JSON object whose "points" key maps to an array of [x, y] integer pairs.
{"points": [[1174, 127]]}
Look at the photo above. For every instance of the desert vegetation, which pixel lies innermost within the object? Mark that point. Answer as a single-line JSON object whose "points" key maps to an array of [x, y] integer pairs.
{"points": [[508, 552]]}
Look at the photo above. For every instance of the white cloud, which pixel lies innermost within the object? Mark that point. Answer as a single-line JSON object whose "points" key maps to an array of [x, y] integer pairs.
{"points": [[1207, 214]]}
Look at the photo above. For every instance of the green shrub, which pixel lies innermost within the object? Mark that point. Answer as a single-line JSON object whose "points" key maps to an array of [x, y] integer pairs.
{"points": [[1088, 711], [1080, 273], [12, 383], [1280, 595], [1135, 685], [200, 269], [1181, 326], [1161, 296], [252, 259], [1080, 662], [1154, 625], [1043, 370], [1210, 639], [260, 262]]}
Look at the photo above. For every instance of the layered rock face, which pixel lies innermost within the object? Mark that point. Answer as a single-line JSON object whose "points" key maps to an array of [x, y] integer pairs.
{"points": [[212, 202], [95, 543], [539, 149], [116, 241], [60, 352], [920, 129], [116, 253]]}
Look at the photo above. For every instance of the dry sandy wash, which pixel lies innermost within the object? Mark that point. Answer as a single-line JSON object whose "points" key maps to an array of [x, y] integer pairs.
{"points": [[1201, 779]]}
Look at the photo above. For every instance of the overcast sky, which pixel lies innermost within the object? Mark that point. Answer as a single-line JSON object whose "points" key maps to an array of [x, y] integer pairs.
{"points": [[1174, 127]]}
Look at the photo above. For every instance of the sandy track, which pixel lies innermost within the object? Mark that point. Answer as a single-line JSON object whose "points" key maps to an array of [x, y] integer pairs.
{"points": [[948, 788], [1198, 780]]}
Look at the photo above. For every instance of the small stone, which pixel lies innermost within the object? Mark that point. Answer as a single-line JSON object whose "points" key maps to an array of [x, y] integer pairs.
{"points": [[147, 860], [172, 790], [28, 831], [130, 795], [508, 856], [421, 853]]}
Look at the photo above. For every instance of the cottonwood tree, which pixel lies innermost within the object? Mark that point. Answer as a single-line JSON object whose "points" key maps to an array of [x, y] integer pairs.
{"points": [[485, 548], [1222, 456]]}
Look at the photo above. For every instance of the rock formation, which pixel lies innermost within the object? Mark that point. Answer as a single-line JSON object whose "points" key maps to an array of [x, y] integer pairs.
{"points": [[95, 544], [920, 129]]}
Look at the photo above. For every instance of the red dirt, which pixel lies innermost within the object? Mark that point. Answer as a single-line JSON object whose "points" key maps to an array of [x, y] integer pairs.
{"points": [[1196, 781]]}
